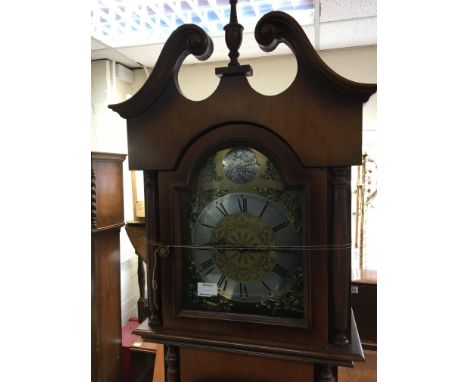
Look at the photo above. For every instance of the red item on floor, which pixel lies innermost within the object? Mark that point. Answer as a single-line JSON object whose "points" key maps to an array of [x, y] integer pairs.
{"points": [[128, 339]]}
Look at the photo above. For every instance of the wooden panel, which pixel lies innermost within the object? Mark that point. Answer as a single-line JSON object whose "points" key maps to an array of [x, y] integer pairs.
{"points": [[216, 366], [319, 115], [340, 191], [109, 188], [313, 330], [326, 131], [106, 220], [364, 304], [107, 304], [331, 354]]}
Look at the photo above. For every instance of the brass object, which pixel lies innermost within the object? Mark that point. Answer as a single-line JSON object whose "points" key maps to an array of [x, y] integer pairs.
{"points": [[162, 250], [243, 264]]}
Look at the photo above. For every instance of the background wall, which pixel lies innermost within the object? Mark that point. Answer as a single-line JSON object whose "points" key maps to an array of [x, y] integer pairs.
{"points": [[109, 134], [272, 74]]}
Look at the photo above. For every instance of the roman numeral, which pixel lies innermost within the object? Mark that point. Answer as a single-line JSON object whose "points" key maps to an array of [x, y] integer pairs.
{"points": [[221, 209], [243, 290], [206, 225], [206, 264], [266, 286], [242, 204], [264, 208], [280, 226], [281, 271], [222, 282]]}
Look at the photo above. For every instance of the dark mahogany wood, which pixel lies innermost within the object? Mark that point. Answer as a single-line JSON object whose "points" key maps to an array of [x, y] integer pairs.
{"points": [[331, 125], [329, 121], [93, 200], [364, 304], [233, 35], [341, 253], [186, 39], [278, 27], [331, 354], [106, 221], [326, 373], [108, 189], [172, 364], [314, 328], [153, 237], [313, 131], [214, 366]]}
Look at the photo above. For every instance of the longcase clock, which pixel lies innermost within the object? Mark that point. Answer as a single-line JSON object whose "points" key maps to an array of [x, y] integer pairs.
{"points": [[248, 213]]}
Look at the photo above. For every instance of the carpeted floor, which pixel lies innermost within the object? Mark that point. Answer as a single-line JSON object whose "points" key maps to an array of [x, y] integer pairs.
{"points": [[362, 371]]}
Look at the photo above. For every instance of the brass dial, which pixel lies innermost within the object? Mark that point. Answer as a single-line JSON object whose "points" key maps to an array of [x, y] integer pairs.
{"points": [[242, 236]]}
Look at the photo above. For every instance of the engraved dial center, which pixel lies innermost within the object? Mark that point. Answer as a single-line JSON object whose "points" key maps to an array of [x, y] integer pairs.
{"points": [[244, 233]]}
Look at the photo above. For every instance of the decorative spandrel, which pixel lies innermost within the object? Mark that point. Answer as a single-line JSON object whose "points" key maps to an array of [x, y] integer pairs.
{"points": [[241, 230]]}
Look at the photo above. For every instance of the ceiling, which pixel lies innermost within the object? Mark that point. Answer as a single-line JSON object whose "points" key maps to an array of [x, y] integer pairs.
{"points": [[132, 32]]}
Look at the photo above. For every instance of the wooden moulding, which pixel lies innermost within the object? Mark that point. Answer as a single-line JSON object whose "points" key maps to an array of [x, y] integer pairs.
{"points": [[320, 108], [152, 236], [185, 40], [330, 354], [311, 328], [278, 27], [106, 220], [93, 200], [106, 191], [340, 256]]}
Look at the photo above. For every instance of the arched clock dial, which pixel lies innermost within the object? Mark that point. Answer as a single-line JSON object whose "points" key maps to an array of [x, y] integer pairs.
{"points": [[242, 238]]}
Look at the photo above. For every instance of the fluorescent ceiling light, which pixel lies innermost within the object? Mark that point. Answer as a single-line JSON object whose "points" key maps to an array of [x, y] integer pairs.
{"points": [[120, 23]]}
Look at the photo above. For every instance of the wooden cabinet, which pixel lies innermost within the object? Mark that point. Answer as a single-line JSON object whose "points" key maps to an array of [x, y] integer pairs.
{"points": [[106, 220], [205, 365], [364, 304]]}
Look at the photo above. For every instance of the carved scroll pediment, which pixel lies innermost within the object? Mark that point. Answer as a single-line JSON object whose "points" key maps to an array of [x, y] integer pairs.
{"points": [[319, 114], [279, 27], [186, 39]]}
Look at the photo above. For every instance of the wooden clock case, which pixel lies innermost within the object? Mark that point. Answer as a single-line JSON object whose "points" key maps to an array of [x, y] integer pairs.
{"points": [[313, 132]]}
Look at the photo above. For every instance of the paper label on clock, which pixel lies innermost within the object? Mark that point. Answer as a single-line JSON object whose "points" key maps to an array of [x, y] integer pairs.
{"points": [[207, 289]]}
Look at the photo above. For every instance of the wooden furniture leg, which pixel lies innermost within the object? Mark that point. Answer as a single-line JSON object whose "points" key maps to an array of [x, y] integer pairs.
{"points": [[172, 362], [158, 374]]}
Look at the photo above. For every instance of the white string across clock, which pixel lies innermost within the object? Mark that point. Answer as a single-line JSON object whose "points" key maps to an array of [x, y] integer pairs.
{"points": [[279, 248], [163, 251]]}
